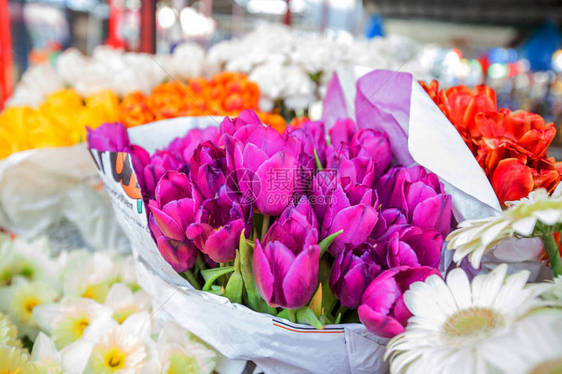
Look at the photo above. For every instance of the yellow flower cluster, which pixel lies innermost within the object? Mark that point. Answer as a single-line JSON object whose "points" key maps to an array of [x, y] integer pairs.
{"points": [[60, 120]]}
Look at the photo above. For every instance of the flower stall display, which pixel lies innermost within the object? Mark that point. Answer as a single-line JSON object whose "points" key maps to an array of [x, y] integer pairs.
{"points": [[81, 312]]}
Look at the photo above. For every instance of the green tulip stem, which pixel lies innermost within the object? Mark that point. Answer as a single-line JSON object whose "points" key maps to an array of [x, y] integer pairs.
{"points": [[192, 279], [265, 225], [317, 160], [292, 315], [551, 250], [199, 263]]}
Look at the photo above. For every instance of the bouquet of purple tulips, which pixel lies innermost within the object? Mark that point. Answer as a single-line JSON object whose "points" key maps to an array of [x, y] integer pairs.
{"points": [[313, 227]]}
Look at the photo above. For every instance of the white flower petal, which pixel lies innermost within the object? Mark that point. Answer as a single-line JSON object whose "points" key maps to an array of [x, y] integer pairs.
{"points": [[460, 288]]}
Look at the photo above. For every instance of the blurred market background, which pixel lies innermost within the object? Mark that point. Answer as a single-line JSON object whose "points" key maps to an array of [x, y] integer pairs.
{"points": [[512, 46]]}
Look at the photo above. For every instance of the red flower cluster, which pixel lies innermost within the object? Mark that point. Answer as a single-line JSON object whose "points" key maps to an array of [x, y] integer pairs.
{"points": [[510, 146]]}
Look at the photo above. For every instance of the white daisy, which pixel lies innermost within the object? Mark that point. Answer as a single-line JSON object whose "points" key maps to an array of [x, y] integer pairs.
{"points": [[68, 320], [452, 320], [123, 302], [14, 360], [45, 355], [89, 275], [8, 332], [474, 238], [110, 348], [534, 346], [21, 298], [179, 354]]}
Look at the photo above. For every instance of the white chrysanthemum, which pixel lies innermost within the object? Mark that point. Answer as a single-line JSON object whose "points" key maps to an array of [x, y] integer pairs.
{"points": [[21, 298], [474, 238], [123, 302], [533, 347], [8, 332], [178, 354], [110, 348], [452, 321], [89, 275], [68, 320], [14, 360], [45, 355]]}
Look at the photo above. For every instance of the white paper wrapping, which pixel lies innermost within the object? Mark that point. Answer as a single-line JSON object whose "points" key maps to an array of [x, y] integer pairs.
{"points": [[57, 189], [274, 344]]}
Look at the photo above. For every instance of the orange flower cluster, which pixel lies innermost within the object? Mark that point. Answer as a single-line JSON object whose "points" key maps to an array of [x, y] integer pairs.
{"points": [[225, 94], [511, 147]]}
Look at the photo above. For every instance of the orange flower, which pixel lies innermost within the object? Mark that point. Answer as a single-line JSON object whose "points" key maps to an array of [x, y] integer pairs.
{"points": [[511, 147]]}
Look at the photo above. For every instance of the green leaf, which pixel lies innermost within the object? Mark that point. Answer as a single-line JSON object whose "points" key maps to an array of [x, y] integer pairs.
{"points": [[234, 288], [318, 163], [328, 299], [306, 315], [316, 302], [284, 313], [211, 275], [327, 242]]}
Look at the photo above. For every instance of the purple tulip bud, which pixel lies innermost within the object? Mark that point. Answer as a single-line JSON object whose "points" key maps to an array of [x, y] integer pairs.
{"points": [[184, 147], [350, 171], [218, 226], [207, 169], [230, 126], [372, 145], [390, 220], [352, 272], [342, 131], [111, 137], [419, 195], [311, 136], [413, 246], [382, 308], [174, 209], [159, 164], [286, 264]]}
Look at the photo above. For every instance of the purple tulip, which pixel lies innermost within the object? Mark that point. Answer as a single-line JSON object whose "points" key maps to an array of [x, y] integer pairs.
{"points": [[419, 195], [372, 145], [382, 308], [184, 147], [217, 227], [230, 126], [390, 220], [159, 164], [264, 164], [342, 131], [357, 221], [111, 137], [207, 169], [311, 136], [413, 246], [174, 209], [286, 261], [352, 272]]}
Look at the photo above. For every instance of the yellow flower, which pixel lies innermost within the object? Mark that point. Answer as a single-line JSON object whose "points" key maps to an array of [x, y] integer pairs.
{"points": [[14, 361]]}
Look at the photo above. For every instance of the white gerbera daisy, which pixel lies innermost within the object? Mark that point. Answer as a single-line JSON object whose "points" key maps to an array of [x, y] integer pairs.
{"points": [[68, 320], [21, 298], [534, 346], [452, 320], [181, 355], [474, 238], [89, 275], [123, 302]]}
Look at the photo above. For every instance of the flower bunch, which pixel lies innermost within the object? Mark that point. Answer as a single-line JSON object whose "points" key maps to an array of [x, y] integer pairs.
{"points": [[510, 146], [60, 120], [82, 312], [225, 93], [318, 228]]}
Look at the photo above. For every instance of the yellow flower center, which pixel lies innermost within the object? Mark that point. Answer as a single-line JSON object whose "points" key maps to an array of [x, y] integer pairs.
{"points": [[30, 304], [472, 321], [80, 325], [96, 292], [10, 371], [548, 367], [115, 359]]}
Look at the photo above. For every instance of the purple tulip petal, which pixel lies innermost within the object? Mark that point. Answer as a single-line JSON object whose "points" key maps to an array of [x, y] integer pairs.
{"points": [[383, 292], [167, 225], [434, 213], [262, 273], [180, 254], [378, 323], [342, 131], [357, 223], [173, 185], [302, 278], [277, 183], [221, 245]]}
